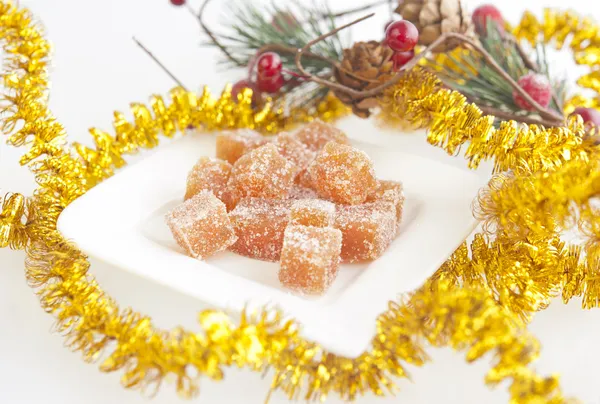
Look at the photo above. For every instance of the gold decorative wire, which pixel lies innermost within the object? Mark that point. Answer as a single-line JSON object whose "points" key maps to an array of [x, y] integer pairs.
{"points": [[475, 303]]}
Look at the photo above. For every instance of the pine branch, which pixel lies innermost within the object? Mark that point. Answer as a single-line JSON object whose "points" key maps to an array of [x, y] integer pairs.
{"points": [[253, 30], [478, 81]]}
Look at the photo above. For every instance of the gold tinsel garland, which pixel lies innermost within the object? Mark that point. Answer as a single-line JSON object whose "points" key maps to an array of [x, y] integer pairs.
{"points": [[520, 267]]}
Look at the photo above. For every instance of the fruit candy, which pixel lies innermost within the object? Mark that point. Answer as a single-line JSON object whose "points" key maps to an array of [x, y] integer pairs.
{"points": [[231, 145], [343, 174], [367, 230], [259, 225], [230, 198], [201, 226], [262, 173], [295, 151], [310, 258], [317, 134], [312, 212], [300, 192], [208, 174], [303, 179], [390, 191]]}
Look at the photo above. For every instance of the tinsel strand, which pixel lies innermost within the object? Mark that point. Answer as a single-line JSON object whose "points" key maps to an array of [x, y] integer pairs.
{"points": [[441, 313]]}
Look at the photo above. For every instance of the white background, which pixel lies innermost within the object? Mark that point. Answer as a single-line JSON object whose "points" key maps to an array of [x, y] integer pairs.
{"points": [[96, 69]]}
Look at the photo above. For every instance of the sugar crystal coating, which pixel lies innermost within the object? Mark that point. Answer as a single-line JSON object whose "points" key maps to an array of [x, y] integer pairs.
{"points": [[310, 258], [201, 226], [312, 212], [317, 134], [343, 174], [262, 173], [367, 229], [300, 192], [390, 191], [304, 180], [230, 198], [231, 145], [290, 147], [208, 174], [260, 224]]}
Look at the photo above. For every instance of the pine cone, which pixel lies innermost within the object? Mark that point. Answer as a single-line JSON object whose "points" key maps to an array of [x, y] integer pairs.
{"points": [[436, 17], [364, 66]]}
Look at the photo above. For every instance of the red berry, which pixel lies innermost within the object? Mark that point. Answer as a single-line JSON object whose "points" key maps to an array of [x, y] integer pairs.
{"points": [[538, 87], [269, 65], [270, 84], [243, 84], [589, 115], [402, 36], [402, 58], [177, 2], [482, 14], [387, 25]]}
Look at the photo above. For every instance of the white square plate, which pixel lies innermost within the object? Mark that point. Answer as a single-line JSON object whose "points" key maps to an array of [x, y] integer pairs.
{"points": [[121, 222]]}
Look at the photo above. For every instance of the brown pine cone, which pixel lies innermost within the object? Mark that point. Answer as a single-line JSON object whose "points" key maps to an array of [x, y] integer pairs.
{"points": [[436, 17], [365, 65]]}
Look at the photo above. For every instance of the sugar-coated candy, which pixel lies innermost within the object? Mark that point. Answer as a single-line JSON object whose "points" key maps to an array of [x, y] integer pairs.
{"points": [[201, 226], [300, 192], [390, 191], [259, 224], [367, 229], [343, 174], [310, 258], [312, 212], [317, 134], [208, 174], [262, 173], [231, 145], [303, 179], [290, 147], [230, 198]]}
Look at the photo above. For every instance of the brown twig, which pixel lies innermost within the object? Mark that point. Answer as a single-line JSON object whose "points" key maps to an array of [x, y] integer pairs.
{"points": [[318, 80], [498, 113], [530, 64], [543, 112], [159, 63], [210, 33], [280, 48]]}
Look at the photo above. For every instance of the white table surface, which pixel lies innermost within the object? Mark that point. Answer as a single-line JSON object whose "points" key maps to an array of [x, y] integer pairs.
{"points": [[97, 69]]}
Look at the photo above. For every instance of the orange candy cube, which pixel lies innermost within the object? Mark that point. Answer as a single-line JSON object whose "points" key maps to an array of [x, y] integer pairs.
{"points": [[259, 225], [367, 230], [201, 226], [295, 151], [390, 191], [262, 173], [303, 179], [317, 134], [310, 258], [299, 192], [343, 174], [231, 145], [208, 174], [312, 212]]}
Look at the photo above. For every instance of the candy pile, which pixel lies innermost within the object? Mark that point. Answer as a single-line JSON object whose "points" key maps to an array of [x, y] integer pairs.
{"points": [[308, 200]]}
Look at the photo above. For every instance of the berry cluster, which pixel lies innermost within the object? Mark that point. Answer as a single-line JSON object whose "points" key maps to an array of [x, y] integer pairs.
{"points": [[402, 36], [269, 77]]}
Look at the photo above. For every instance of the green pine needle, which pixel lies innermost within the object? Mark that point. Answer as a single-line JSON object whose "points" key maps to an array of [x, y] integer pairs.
{"points": [[487, 87], [251, 28]]}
